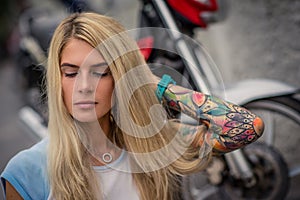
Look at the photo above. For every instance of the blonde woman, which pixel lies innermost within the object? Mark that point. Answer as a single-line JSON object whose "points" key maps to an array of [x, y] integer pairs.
{"points": [[112, 134]]}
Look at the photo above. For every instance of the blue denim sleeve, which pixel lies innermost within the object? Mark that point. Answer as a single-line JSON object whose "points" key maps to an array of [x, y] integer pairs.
{"points": [[27, 173]]}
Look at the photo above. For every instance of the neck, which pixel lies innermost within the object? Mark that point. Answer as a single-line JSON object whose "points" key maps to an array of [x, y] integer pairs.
{"points": [[98, 132], [97, 142]]}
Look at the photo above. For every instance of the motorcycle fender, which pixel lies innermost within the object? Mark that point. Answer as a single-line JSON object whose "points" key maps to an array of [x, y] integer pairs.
{"points": [[248, 90]]}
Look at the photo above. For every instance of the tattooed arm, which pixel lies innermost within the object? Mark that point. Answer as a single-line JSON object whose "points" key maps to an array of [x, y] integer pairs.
{"points": [[229, 126]]}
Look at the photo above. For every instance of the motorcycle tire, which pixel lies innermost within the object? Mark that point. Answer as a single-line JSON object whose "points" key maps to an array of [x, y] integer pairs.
{"points": [[281, 115], [270, 171]]}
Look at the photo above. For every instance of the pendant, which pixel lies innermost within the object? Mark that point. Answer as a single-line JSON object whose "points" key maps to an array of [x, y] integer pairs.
{"points": [[107, 157]]}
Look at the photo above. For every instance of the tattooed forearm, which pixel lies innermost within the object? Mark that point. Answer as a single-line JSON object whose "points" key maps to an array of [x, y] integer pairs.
{"points": [[192, 135], [228, 126]]}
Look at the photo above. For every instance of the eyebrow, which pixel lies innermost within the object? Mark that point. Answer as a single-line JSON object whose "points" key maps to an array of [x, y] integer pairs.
{"points": [[76, 66]]}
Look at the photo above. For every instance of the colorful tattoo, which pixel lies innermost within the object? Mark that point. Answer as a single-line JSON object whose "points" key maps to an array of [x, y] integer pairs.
{"points": [[229, 126]]}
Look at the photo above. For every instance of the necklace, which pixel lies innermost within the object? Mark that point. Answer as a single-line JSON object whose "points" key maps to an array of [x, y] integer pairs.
{"points": [[107, 157]]}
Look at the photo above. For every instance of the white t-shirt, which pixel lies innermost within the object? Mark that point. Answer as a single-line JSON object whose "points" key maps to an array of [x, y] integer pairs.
{"points": [[116, 179]]}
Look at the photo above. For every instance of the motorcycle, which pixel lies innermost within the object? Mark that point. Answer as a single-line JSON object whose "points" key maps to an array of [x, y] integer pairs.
{"points": [[258, 170]]}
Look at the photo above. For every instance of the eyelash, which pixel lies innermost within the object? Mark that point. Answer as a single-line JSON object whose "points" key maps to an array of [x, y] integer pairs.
{"points": [[72, 75]]}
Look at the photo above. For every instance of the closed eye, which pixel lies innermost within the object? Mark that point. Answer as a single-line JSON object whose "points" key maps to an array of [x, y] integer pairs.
{"points": [[71, 75], [101, 74]]}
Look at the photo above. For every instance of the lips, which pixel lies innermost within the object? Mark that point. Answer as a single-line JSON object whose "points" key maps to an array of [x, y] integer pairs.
{"points": [[85, 104]]}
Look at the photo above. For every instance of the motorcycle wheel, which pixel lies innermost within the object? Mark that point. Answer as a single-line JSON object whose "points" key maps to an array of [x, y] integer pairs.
{"points": [[270, 172], [282, 124]]}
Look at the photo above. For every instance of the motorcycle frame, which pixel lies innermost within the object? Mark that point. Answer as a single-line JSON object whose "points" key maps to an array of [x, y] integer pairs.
{"points": [[237, 163]]}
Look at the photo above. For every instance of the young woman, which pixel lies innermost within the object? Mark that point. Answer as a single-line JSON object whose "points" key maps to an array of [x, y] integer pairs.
{"points": [[112, 134]]}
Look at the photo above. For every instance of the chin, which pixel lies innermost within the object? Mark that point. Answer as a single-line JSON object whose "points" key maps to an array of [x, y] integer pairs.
{"points": [[85, 118], [89, 116]]}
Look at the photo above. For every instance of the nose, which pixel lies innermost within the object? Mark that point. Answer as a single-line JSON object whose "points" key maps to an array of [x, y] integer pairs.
{"points": [[85, 84]]}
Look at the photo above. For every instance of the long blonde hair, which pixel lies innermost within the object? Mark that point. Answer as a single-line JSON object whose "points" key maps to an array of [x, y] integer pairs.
{"points": [[70, 171]]}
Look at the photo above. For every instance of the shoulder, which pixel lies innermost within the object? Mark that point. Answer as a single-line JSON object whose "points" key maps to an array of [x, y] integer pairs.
{"points": [[27, 172], [35, 156]]}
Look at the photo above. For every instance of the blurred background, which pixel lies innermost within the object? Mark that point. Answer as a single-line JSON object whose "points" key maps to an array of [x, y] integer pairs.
{"points": [[258, 39]]}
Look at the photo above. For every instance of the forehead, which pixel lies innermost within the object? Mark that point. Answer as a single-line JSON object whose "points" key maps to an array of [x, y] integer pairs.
{"points": [[80, 52]]}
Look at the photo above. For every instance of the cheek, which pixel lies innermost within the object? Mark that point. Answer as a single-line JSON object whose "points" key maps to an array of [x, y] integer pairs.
{"points": [[104, 92]]}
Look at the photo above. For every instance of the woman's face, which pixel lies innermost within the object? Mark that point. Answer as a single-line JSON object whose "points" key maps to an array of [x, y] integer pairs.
{"points": [[86, 82]]}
